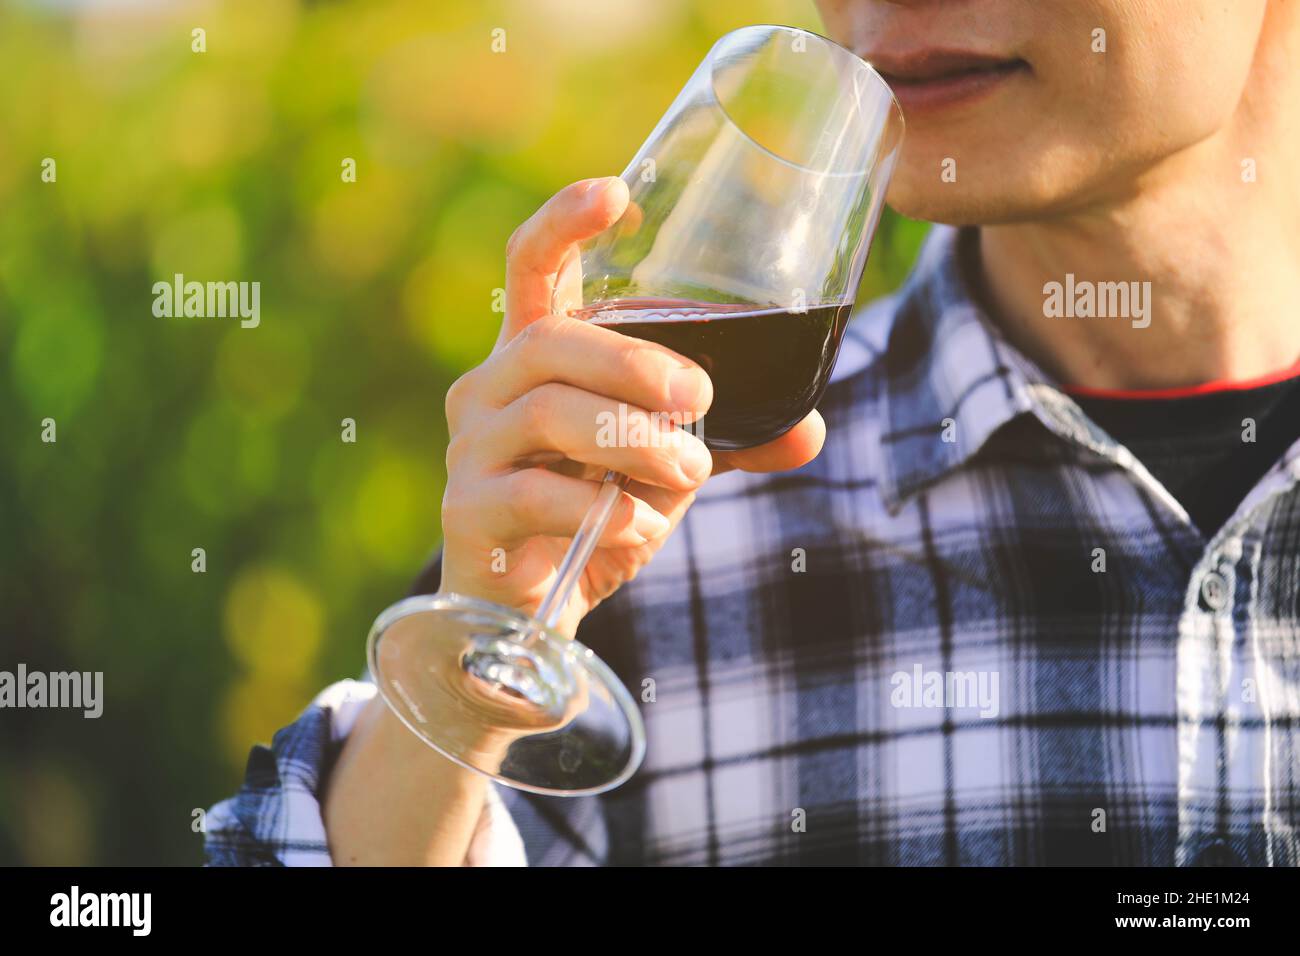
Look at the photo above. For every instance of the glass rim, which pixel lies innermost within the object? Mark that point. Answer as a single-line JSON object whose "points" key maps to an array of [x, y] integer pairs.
{"points": [[872, 72]]}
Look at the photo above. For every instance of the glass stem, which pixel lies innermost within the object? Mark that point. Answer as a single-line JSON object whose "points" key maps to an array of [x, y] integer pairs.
{"points": [[579, 553]]}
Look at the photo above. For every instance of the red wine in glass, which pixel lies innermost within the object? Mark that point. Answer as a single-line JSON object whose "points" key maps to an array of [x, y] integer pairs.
{"points": [[769, 366]]}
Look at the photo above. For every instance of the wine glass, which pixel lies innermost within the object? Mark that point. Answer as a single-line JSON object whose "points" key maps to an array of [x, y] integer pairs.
{"points": [[752, 207]]}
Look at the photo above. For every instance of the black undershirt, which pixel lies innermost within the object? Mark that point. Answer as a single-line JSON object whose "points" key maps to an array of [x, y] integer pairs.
{"points": [[1194, 446]]}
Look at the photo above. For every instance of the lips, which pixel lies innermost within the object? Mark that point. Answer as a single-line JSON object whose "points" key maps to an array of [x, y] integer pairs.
{"points": [[932, 79]]}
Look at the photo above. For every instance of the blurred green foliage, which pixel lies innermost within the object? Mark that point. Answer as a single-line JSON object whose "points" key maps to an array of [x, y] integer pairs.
{"points": [[176, 434]]}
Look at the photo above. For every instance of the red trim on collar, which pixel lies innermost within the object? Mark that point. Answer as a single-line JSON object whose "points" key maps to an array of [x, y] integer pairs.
{"points": [[1188, 391]]}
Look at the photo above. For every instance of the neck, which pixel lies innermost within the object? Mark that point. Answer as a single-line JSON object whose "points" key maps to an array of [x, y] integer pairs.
{"points": [[1222, 256]]}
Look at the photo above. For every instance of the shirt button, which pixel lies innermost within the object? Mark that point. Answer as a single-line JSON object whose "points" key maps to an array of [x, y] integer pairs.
{"points": [[1214, 591]]}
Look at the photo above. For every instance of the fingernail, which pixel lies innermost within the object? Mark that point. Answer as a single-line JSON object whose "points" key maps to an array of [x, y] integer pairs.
{"points": [[647, 522], [684, 387], [595, 187], [695, 462]]}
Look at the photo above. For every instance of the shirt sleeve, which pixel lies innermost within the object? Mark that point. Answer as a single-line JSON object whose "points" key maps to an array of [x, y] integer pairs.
{"points": [[275, 818]]}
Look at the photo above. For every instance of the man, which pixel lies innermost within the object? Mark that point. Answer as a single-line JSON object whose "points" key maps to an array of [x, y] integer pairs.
{"points": [[1049, 603]]}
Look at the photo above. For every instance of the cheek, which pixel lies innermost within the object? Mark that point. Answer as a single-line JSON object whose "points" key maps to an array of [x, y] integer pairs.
{"points": [[1168, 81]]}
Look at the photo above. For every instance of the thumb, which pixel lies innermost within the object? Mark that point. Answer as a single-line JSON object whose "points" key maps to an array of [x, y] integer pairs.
{"points": [[539, 248]]}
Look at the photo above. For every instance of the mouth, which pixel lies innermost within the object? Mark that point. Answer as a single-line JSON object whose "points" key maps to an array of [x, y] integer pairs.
{"points": [[929, 80]]}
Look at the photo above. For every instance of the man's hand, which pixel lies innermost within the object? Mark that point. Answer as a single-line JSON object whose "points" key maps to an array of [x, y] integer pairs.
{"points": [[524, 461], [523, 466]]}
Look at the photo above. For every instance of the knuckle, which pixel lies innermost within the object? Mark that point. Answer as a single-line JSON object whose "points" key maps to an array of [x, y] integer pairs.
{"points": [[517, 238], [454, 509], [538, 409], [457, 452], [642, 362], [459, 398], [528, 348], [524, 492], [541, 333]]}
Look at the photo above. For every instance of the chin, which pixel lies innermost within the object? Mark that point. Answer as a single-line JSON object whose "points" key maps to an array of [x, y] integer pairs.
{"points": [[987, 194], [972, 207]]}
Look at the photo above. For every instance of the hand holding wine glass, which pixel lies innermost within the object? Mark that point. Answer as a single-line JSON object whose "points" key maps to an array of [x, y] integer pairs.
{"points": [[393, 800], [523, 430]]}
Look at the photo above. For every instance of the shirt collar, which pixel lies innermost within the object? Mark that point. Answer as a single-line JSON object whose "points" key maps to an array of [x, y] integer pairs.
{"points": [[950, 379]]}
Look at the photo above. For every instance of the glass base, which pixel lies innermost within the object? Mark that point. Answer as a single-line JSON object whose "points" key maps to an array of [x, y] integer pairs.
{"points": [[499, 693]]}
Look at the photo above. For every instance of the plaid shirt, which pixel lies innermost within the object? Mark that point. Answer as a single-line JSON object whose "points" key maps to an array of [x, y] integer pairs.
{"points": [[975, 630]]}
